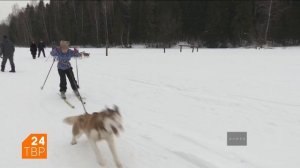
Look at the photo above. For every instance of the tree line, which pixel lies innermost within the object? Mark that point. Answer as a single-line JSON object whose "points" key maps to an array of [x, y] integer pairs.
{"points": [[157, 23]]}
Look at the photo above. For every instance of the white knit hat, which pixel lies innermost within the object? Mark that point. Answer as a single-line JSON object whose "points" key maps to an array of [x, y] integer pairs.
{"points": [[64, 44]]}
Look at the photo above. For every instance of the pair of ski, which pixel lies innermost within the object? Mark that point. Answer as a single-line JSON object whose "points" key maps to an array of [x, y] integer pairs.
{"points": [[70, 104]]}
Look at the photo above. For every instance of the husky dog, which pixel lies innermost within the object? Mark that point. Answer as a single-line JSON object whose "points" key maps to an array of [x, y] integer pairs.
{"points": [[98, 126]]}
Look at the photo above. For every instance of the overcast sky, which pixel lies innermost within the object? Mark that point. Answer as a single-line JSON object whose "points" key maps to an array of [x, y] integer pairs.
{"points": [[6, 7]]}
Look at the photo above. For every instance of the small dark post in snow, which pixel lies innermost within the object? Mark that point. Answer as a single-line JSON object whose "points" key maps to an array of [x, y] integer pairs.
{"points": [[192, 49], [180, 48], [106, 29], [164, 49], [197, 48]]}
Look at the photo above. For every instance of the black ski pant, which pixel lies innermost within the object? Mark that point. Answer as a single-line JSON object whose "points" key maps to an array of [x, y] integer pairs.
{"points": [[33, 54], [63, 74], [11, 61], [40, 52]]}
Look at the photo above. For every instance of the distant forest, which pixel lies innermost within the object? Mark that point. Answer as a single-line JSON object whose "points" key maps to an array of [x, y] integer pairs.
{"points": [[155, 23]]}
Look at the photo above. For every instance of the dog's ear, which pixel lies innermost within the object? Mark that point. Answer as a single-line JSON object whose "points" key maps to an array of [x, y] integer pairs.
{"points": [[116, 108], [108, 109]]}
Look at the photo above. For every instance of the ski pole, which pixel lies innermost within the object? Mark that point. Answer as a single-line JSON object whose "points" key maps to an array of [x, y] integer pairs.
{"points": [[48, 74]]}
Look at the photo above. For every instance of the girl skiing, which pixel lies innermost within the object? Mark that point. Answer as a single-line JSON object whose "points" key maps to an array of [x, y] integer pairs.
{"points": [[63, 54]]}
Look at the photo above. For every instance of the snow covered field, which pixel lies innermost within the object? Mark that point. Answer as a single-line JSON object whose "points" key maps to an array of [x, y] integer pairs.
{"points": [[177, 108]]}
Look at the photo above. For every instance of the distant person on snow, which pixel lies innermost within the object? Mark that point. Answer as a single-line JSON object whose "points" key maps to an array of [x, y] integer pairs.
{"points": [[41, 47], [7, 49], [63, 54], [33, 49]]}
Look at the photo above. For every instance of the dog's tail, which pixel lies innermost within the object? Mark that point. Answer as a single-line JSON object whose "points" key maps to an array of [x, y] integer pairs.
{"points": [[70, 120]]}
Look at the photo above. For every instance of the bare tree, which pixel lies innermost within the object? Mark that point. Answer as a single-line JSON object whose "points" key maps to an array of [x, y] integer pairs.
{"points": [[42, 7], [96, 17], [81, 18], [268, 23], [26, 32], [75, 16]]}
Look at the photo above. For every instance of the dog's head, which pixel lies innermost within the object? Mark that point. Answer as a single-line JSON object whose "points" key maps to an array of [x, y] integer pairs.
{"points": [[113, 120]]}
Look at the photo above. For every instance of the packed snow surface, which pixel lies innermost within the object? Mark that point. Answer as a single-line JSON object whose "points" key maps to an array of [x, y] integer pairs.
{"points": [[177, 108]]}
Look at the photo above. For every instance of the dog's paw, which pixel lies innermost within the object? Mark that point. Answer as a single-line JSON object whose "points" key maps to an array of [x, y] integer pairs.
{"points": [[103, 166], [119, 165], [73, 143]]}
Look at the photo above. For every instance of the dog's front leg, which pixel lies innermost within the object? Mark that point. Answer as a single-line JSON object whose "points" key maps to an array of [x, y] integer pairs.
{"points": [[76, 134], [112, 147], [99, 157]]}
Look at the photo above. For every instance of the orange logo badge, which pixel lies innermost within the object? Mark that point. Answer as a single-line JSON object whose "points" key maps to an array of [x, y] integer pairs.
{"points": [[35, 147]]}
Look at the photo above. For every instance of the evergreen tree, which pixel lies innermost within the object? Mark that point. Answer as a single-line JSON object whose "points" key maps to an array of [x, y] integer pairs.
{"points": [[157, 23]]}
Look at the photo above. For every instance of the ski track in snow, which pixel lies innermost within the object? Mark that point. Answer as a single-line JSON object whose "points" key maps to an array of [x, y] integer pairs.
{"points": [[177, 108]]}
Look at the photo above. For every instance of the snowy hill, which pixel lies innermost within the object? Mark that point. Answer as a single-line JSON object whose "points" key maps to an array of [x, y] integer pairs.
{"points": [[177, 108]]}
